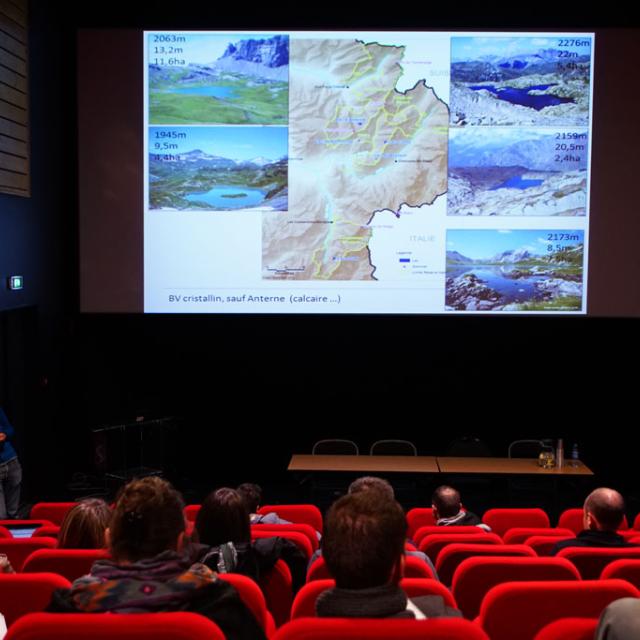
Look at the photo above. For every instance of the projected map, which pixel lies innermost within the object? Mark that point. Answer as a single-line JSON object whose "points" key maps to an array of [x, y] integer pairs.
{"points": [[276, 161]]}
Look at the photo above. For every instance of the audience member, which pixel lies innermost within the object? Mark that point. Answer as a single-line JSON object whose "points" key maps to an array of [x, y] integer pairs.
{"points": [[150, 571], [385, 490], [252, 496], [84, 525], [10, 471], [364, 550], [448, 510], [602, 517], [223, 524], [620, 621]]}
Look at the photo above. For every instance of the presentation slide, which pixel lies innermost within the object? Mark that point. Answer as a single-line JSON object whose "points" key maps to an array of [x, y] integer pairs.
{"points": [[366, 172]]}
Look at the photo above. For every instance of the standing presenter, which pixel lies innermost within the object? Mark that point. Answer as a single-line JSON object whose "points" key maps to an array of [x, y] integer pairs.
{"points": [[10, 471]]}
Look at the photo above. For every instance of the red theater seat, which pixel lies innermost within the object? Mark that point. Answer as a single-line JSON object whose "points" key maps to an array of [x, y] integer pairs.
{"points": [[299, 539], [5, 533], [624, 569], [419, 517], [413, 568], [379, 629], [569, 629], [574, 519], [304, 604], [433, 545], [22, 593], [305, 529], [253, 598], [191, 512], [19, 549], [123, 626], [423, 532], [52, 511], [590, 561], [519, 535], [70, 563], [50, 531], [300, 513], [543, 545], [501, 520], [278, 593], [475, 576], [521, 609], [451, 556]]}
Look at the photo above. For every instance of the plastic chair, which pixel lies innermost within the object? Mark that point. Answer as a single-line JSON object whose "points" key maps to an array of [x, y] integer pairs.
{"points": [[529, 606], [19, 549], [569, 629], [526, 448], [52, 511], [297, 513], [417, 518], [70, 563], [590, 561], [304, 604], [501, 520], [124, 626], [299, 539], [518, 535], [253, 599], [22, 593], [423, 532], [468, 447], [278, 593], [297, 527], [380, 629], [393, 448], [625, 569], [574, 519], [451, 556], [475, 576], [544, 545], [432, 545], [335, 447]]}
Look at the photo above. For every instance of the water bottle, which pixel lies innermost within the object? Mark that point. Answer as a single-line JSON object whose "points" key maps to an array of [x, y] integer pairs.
{"points": [[575, 456], [560, 454]]}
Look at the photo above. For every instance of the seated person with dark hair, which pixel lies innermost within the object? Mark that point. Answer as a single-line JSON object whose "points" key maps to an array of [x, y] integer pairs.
{"points": [[364, 550], [223, 525], [252, 496], [84, 525], [603, 515], [448, 511], [385, 491], [149, 570]]}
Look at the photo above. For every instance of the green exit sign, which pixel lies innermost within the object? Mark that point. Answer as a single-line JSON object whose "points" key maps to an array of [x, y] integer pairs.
{"points": [[16, 283]]}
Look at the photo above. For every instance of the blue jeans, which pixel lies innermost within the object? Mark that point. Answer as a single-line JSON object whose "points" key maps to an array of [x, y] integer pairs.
{"points": [[10, 480]]}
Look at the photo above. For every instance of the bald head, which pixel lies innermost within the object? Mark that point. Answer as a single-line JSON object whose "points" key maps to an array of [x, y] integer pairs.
{"points": [[445, 502], [604, 510]]}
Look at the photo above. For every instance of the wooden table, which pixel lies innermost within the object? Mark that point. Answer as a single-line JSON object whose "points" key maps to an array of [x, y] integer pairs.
{"points": [[513, 466], [365, 464], [432, 464]]}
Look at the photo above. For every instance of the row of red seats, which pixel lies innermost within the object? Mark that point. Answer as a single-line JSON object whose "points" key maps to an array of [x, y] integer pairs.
{"points": [[514, 609], [500, 520]]}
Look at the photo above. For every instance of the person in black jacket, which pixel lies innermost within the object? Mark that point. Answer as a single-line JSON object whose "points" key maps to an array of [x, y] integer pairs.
{"points": [[363, 546], [448, 510], [222, 524], [151, 571], [603, 515]]}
